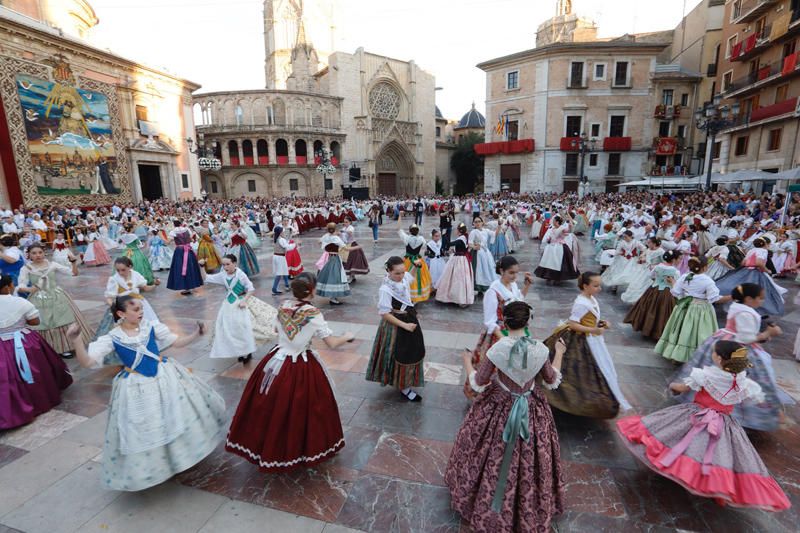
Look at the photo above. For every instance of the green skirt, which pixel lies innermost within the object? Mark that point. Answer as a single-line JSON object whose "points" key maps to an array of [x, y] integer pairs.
{"points": [[140, 263], [690, 324]]}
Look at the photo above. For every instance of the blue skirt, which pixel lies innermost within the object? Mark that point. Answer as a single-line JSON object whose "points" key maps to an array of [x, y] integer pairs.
{"points": [[177, 281], [329, 280], [247, 260], [773, 301], [595, 227], [499, 247]]}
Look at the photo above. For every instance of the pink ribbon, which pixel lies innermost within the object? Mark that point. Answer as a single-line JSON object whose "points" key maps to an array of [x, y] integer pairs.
{"points": [[705, 419], [187, 249]]}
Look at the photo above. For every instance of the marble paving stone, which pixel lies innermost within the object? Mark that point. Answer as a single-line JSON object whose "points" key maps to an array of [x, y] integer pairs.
{"points": [[91, 431], [66, 505], [84, 305], [444, 373], [9, 454], [336, 528], [410, 418], [85, 398], [243, 517], [591, 489], [378, 503], [6, 529], [407, 457], [341, 359], [348, 405], [33, 473], [240, 371], [359, 446], [42, 430], [165, 507], [592, 442]]}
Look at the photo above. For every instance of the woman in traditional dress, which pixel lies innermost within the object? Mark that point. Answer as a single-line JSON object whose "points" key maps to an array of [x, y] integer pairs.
{"points": [[293, 259], [245, 254], [133, 251], [699, 445], [683, 244], [652, 310], [206, 249], [483, 263], [61, 252], [162, 418], [641, 277], [498, 243], [96, 252], [434, 258], [356, 262], [754, 270], [557, 263], [56, 308], [11, 258], [743, 325], [589, 386], [332, 280], [622, 268], [280, 268], [718, 259], [415, 264], [184, 273], [287, 417], [783, 257], [693, 320], [399, 347], [125, 282], [501, 292], [536, 223], [160, 254], [504, 471], [32, 375], [456, 284]]}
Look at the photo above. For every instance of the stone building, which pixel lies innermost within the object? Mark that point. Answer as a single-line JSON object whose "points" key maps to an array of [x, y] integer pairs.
{"points": [[445, 146], [80, 125], [370, 111]]}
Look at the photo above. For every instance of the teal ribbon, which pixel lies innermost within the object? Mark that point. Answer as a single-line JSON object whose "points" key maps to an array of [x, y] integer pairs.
{"points": [[520, 350], [23, 365], [516, 427], [235, 292]]}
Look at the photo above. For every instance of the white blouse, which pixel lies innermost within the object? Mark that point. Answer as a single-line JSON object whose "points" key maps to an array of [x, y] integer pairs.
{"points": [[16, 311], [297, 326], [399, 290], [583, 305], [490, 301], [119, 286], [700, 286], [104, 345], [747, 321], [719, 385], [222, 278]]}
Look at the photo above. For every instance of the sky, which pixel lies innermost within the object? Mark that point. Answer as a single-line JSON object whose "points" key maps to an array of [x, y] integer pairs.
{"points": [[220, 45]]}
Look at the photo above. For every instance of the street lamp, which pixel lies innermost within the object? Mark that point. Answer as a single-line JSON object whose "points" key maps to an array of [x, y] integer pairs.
{"points": [[713, 118], [205, 157], [325, 168], [584, 145]]}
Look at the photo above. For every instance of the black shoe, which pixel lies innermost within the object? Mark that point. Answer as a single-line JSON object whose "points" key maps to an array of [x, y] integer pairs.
{"points": [[68, 355], [334, 301], [276, 293], [186, 293], [415, 398], [245, 358]]}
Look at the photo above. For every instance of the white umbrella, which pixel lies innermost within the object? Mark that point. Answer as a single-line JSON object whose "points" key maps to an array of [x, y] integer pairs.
{"points": [[791, 174]]}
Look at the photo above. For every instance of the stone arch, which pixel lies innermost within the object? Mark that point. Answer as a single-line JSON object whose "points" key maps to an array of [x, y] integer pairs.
{"points": [[247, 152], [395, 169], [198, 114], [219, 180], [282, 151], [298, 113], [262, 152], [240, 184], [279, 107], [284, 185], [259, 111], [336, 152], [233, 153], [301, 152], [229, 113]]}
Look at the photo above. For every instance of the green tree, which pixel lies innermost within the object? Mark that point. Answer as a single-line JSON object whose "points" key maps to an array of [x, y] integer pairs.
{"points": [[467, 165]]}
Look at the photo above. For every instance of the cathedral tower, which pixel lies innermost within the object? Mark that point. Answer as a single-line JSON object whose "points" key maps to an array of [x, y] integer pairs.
{"points": [[292, 23]]}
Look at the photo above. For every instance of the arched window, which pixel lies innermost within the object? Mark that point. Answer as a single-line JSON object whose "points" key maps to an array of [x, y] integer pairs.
{"points": [[270, 116], [239, 115], [282, 151], [336, 153], [300, 155], [233, 153], [247, 152], [198, 115], [262, 152], [318, 151], [279, 108]]}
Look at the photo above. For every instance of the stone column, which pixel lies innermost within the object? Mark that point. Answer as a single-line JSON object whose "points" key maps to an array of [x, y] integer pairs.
{"points": [[292, 154], [226, 156], [273, 160], [241, 152]]}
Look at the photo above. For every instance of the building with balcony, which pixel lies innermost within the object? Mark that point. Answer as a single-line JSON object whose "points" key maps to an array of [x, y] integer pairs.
{"points": [[80, 125], [540, 101], [758, 68]]}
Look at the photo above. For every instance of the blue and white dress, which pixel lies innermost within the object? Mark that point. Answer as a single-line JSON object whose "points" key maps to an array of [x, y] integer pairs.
{"points": [[162, 419]]}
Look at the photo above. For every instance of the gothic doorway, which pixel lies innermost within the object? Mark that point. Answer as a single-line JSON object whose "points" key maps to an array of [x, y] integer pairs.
{"points": [[387, 183], [150, 180], [395, 169]]}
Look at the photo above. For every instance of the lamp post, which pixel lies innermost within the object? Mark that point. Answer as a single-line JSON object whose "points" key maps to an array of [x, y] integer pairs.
{"points": [[584, 145], [205, 157], [325, 168], [713, 118]]}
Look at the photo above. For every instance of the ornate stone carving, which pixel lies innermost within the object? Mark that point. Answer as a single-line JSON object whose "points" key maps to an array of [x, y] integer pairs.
{"points": [[384, 101]]}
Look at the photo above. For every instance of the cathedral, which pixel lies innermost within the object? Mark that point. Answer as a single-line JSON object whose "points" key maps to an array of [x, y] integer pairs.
{"points": [[369, 112]]}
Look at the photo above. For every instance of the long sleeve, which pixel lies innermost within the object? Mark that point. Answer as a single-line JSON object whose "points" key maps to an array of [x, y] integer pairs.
{"points": [[490, 311], [479, 378], [747, 327], [712, 292], [551, 378], [97, 350], [286, 245]]}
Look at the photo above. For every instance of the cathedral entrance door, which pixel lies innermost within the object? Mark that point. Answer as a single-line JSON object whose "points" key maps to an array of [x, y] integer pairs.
{"points": [[150, 180], [387, 183]]}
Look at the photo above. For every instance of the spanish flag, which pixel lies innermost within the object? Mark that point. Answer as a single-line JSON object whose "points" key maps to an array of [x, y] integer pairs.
{"points": [[501, 125]]}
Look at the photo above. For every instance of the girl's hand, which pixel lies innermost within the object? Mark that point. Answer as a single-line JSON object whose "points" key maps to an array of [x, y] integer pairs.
{"points": [[349, 336], [774, 330], [74, 332], [678, 388], [466, 357], [242, 304], [157, 282], [528, 278], [561, 346], [597, 331], [409, 327], [202, 262]]}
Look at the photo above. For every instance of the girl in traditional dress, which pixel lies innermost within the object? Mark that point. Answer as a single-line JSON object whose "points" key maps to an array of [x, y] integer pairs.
{"points": [[652, 310], [125, 282], [56, 309], [240, 247], [536, 223], [718, 259], [683, 244], [783, 257], [415, 264], [96, 253], [61, 252], [483, 263], [287, 417], [32, 375], [434, 258], [11, 258], [80, 242], [641, 277], [622, 267], [332, 280], [160, 254], [743, 325], [498, 243], [184, 272], [557, 263], [457, 283], [293, 259], [699, 445], [693, 320], [133, 251], [280, 268], [501, 292], [162, 418], [754, 270], [504, 471], [206, 249], [589, 386], [399, 347]]}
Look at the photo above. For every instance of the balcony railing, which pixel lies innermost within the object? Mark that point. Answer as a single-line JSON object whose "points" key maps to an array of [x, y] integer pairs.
{"points": [[667, 111], [577, 84], [750, 10], [764, 75], [752, 46], [570, 144], [665, 145], [617, 144], [669, 170], [520, 146]]}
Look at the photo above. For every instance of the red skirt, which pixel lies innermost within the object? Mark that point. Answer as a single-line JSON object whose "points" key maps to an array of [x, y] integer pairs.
{"points": [[294, 424], [294, 261]]}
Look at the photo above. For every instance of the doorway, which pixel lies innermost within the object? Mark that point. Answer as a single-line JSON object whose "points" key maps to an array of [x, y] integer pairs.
{"points": [[611, 185], [387, 183], [509, 177], [570, 185], [150, 181]]}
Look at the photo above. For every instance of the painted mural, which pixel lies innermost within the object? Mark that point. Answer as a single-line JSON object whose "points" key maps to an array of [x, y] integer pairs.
{"points": [[69, 137]]}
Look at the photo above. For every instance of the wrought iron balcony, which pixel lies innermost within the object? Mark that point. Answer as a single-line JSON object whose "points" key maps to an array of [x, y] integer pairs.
{"points": [[750, 10]]}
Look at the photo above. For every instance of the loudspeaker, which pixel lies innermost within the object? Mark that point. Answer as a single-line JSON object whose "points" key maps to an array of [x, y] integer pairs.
{"points": [[355, 173]]}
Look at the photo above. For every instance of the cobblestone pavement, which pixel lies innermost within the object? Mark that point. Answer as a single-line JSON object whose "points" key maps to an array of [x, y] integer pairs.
{"points": [[389, 476]]}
